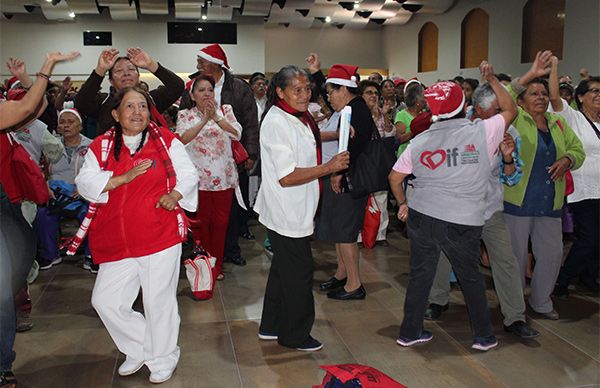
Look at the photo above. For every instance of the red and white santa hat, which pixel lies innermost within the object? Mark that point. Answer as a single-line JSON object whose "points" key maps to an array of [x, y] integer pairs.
{"points": [[12, 83], [412, 81], [215, 54], [345, 75], [445, 99], [70, 110]]}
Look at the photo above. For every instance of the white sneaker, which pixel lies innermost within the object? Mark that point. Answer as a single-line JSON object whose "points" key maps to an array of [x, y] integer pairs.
{"points": [[130, 366], [161, 376]]}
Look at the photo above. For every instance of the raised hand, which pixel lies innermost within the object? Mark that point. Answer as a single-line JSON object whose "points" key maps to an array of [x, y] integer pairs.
{"points": [[313, 62], [16, 67], [508, 146], [486, 70], [106, 60], [541, 65], [56, 56], [140, 58]]}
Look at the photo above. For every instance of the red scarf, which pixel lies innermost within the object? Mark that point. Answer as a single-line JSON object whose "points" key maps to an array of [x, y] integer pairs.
{"points": [[307, 119], [107, 146]]}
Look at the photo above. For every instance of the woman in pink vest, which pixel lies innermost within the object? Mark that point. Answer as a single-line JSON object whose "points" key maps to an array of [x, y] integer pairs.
{"points": [[138, 176]]}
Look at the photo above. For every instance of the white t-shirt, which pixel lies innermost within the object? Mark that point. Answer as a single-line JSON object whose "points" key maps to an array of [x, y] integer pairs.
{"points": [[286, 144], [586, 179]]}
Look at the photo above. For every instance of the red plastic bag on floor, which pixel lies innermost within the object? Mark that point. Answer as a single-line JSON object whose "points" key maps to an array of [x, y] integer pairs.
{"points": [[371, 223], [355, 375]]}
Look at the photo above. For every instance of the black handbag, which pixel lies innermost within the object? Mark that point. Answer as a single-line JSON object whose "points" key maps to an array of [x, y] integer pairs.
{"points": [[370, 172]]}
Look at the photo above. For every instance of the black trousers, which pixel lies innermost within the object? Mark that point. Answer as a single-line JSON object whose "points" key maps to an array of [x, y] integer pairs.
{"points": [[289, 307], [428, 237], [583, 258], [238, 219]]}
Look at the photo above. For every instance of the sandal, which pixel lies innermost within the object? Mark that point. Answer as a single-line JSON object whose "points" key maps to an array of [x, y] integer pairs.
{"points": [[8, 379], [220, 276]]}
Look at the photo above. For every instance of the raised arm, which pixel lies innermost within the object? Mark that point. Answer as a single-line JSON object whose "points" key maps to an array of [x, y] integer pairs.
{"points": [[13, 112], [555, 99], [89, 99], [539, 68], [508, 107]]}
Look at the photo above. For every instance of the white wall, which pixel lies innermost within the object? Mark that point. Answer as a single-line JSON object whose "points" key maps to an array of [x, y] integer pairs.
{"points": [[30, 40], [284, 46], [581, 43]]}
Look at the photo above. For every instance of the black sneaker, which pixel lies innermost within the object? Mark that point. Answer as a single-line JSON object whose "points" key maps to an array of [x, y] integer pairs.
{"points": [[485, 343], [561, 292], [88, 264], [434, 311], [235, 260], [521, 329], [310, 345], [47, 264], [425, 336], [7, 379]]}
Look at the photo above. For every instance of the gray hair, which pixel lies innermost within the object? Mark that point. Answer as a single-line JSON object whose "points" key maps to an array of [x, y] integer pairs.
{"points": [[483, 96], [413, 94], [282, 79]]}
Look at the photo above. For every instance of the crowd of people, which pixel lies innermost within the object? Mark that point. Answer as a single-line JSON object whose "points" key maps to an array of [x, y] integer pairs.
{"points": [[484, 168]]}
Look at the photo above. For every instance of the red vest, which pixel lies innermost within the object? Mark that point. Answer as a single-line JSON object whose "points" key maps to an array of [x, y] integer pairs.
{"points": [[130, 225]]}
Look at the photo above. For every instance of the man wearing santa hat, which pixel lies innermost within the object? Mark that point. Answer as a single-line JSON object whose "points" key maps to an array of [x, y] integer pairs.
{"points": [[233, 91], [445, 210]]}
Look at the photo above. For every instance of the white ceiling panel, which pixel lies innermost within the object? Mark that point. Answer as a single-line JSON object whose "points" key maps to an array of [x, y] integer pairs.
{"points": [[119, 12], [59, 11], [219, 13], [83, 6], [154, 7], [371, 5], [256, 7], [323, 10]]}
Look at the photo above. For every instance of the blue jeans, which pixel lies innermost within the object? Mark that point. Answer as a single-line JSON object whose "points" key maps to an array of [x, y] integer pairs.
{"points": [[17, 250], [46, 227]]}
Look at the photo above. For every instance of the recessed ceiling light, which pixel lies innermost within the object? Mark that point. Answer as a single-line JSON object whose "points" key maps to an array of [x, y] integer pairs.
{"points": [[204, 17], [356, 5], [97, 36], [327, 19], [71, 14], [199, 28]]}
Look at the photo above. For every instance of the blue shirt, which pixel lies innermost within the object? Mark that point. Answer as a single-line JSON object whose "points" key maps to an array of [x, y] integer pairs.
{"points": [[539, 197]]}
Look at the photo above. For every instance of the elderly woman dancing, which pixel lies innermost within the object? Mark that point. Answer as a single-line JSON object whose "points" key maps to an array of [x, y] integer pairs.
{"points": [[138, 175]]}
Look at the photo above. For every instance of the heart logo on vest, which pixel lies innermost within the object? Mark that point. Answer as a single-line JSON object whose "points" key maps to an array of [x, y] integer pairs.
{"points": [[433, 160]]}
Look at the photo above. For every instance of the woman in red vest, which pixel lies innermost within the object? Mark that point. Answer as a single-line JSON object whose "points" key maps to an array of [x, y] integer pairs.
{"points": [[138, 176]]}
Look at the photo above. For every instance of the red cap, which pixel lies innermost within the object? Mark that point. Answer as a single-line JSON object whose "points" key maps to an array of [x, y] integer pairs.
{"points": [[345, 75], [420, 123], [445, 99], [215, 54]]}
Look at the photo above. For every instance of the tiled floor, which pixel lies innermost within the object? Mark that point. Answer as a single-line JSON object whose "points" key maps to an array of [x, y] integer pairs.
{"points": [[69, 347]]}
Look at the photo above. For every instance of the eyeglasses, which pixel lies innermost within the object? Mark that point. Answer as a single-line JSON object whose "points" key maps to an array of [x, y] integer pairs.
{"points": [[372, 92], [595, 91]]}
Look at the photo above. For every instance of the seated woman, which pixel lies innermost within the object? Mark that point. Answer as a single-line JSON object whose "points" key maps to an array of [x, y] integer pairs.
{"points": [[63, 173], [138, 177], [123, 72], [207, 131], [532, 207], [341, 217]]}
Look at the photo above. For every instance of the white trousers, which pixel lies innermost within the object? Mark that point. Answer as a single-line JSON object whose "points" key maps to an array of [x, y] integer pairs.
{"points": [[151, 337]]}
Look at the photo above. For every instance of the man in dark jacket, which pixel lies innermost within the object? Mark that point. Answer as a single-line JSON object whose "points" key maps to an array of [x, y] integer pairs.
{"points": [[230, 90], [123, 72]]}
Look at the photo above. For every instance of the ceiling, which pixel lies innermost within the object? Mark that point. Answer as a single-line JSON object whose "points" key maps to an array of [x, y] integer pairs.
{"points": [[355, 14]]}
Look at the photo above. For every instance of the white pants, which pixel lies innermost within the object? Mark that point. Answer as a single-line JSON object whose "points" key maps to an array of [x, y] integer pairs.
{"points": [[381, 197], [152, 338]]}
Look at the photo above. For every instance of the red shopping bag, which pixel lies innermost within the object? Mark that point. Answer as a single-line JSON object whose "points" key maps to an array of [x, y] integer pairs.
{"points": [[355, 375], [371, 223]]}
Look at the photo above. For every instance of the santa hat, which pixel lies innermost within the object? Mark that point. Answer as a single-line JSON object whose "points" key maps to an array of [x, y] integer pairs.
{"points": [[445, 99], [420, 123], [70, 110], [215, 54], [412, 81], [15, 94], [12, 83], [345, 75], [399, 81]]}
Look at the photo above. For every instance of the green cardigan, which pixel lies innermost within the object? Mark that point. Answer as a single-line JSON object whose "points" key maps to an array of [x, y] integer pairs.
{"points": [[566, 143]]}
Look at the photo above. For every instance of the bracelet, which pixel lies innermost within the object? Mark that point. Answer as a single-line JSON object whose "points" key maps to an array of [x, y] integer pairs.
{"points": [[40, 74], [403, 203], [512, 161]]}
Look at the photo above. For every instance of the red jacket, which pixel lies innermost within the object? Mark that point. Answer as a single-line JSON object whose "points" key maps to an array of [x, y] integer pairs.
{"points": [[129, 224]]}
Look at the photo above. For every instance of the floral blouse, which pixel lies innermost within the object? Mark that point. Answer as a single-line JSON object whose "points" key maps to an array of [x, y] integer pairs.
{"points": [[210, 150]]}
